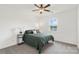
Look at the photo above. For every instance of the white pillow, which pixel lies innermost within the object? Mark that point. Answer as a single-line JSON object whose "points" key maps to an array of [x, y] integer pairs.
{"points": [[34, 32]]}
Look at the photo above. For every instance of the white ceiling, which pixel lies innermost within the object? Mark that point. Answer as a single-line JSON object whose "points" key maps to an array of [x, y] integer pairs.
{"points": [[30, 7], [62, 7]]}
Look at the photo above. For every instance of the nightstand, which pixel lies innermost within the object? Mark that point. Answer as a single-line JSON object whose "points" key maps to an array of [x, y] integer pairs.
{"points": [[19, 39]]}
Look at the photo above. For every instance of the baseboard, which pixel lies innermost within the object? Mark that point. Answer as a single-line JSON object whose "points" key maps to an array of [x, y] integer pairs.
{"points": [[55, 41], [66, 43], [8, 46]]}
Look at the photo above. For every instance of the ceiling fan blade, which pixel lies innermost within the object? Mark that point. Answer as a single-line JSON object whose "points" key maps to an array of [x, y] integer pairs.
{"points": [[36, 5], [47, 10], [36, 10], [47, 5], [41, 5]]}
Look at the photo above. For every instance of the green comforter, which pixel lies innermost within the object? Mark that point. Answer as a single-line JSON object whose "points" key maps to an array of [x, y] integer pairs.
{"points": [[37, 40]]}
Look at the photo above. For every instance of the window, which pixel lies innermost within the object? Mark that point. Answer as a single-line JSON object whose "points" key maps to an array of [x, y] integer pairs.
{"points": [[53, 24]]}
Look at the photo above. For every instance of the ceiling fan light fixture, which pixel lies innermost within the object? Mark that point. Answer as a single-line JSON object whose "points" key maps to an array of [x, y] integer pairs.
{"points": [[42, 7]]}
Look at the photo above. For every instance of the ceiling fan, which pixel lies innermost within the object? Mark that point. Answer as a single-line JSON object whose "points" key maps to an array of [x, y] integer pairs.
{"points": [[42, 7]]}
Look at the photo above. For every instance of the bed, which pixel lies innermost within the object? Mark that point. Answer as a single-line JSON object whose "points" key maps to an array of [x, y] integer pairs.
{"points": [[37, 40]]}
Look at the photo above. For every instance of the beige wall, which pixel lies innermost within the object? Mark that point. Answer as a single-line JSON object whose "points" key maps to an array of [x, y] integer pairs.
{"points": [[67, 26], [11, 18]]}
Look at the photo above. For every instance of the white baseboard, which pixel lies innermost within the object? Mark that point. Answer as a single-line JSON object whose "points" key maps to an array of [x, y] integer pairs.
{"points": [[2, 47], [16, 43], [66, 42]]}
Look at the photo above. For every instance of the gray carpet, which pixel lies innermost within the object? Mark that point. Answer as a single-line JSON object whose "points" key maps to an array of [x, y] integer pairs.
{"points": [[56, 48]]}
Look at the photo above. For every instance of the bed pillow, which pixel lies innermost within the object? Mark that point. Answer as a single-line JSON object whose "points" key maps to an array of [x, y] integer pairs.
{"points": [[28, 32], [34, 32], [38, 31]]}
